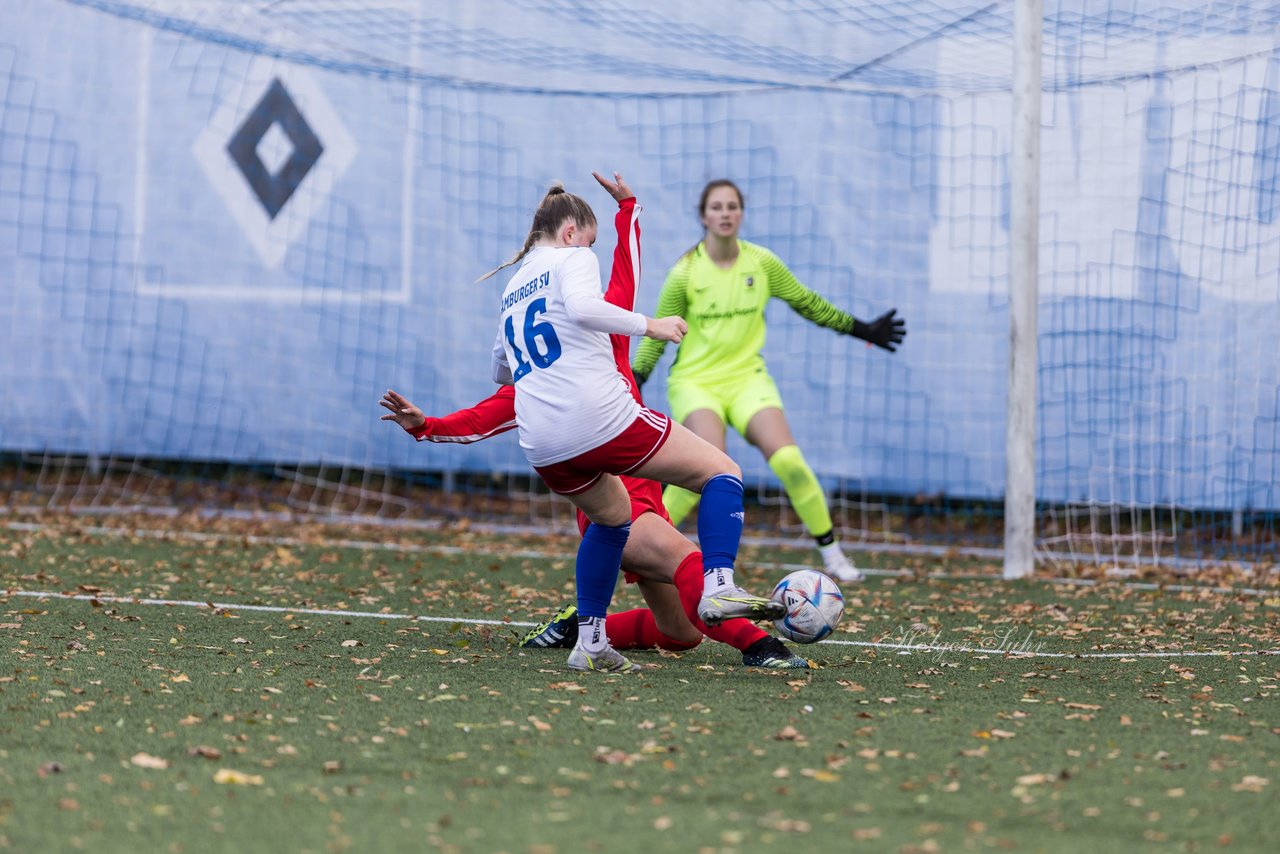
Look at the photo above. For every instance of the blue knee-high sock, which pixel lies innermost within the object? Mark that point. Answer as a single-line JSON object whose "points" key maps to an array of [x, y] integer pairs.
{"points": [[720, 521], [599, 558]]}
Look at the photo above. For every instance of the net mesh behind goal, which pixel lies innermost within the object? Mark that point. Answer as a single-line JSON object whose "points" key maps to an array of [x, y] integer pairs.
{"points": [[226, 228]]}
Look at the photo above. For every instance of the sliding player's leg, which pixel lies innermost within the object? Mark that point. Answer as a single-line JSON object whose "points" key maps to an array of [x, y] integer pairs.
{"points": [[634, 629], [653, 551], [653, 554], [676, 604], [638, 628], [643, 628], [673, 606], [758, 648], [671, 620], [669, 571]]}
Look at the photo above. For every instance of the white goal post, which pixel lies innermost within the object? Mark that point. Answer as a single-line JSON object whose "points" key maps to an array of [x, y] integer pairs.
{"points": [[1024, 238]]}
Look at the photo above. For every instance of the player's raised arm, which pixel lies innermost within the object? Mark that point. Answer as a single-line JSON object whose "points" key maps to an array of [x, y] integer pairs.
{"points": [[616, 188], [624, 276]]}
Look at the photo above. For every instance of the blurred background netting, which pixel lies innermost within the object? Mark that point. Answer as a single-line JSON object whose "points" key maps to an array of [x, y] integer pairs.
{"points": [[227, 227]]}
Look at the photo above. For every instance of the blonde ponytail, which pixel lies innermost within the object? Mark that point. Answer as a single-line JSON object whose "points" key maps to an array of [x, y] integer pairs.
{"points": [[556, 207]]}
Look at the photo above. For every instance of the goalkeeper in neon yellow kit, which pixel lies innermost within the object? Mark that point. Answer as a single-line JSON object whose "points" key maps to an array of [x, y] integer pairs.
{"points": [[721, 287]]}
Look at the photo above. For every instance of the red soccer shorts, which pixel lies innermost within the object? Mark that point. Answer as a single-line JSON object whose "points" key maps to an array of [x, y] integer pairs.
{"points": [[623, 454]]}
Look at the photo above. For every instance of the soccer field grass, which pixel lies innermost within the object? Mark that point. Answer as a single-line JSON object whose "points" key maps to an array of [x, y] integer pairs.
{"points": [[327, 690]]}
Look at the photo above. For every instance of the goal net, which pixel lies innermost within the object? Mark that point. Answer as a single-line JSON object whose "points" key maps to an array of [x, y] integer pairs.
{"points": [[227, 227]]}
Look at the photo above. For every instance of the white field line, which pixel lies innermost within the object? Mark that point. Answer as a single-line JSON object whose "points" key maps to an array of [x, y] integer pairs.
{"points": [[419, 548], [903, 648]]}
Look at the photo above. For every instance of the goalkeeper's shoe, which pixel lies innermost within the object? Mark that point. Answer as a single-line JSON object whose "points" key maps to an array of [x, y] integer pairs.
{"points": [[608, 660], [734, 602], [771, 653], [560, 632], [841, 568]]}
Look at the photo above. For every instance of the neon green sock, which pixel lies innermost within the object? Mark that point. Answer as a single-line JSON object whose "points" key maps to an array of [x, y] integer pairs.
{"points": [[802, 488], [679, 503]]}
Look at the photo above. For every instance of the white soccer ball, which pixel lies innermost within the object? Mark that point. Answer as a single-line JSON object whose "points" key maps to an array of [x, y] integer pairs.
{"points": [[814, 606]]}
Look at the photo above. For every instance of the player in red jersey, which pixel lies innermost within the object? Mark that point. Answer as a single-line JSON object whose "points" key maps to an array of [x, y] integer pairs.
{"points": [[665, 564]]}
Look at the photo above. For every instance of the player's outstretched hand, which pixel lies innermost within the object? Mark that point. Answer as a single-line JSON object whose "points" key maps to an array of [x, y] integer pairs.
{"points": [[886, 331], [616, 188], [671, 328], [402, 412]]}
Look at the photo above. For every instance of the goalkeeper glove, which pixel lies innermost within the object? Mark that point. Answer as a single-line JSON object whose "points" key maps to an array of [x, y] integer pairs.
{"points": [[885, 331], [640, 378]]}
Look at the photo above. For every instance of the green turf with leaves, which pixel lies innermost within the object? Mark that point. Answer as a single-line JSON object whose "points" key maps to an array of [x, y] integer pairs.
{"points": [[130, 727]]}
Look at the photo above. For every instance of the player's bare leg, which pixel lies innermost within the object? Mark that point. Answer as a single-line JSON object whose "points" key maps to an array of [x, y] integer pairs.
{"points": [[708, 426]]}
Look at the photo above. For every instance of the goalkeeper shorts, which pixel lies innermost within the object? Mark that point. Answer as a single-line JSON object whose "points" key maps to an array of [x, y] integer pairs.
{"points": [[735, 401]]}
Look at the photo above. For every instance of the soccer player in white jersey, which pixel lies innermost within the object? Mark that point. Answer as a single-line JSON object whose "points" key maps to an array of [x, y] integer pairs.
{"points": [[663, 564], [581, 427]]}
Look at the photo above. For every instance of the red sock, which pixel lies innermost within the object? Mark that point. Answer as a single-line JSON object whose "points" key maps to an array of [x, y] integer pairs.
{"points": [[738, 634], [632, 629], [638, 630]]}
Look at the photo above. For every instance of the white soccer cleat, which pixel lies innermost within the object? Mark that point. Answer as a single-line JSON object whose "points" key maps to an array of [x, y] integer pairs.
{"points": [[608, 660], [733, 603], [841, 568]]}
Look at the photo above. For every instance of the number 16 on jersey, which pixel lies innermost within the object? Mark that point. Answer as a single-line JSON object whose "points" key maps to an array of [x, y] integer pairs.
{"points": [[539, 337]]}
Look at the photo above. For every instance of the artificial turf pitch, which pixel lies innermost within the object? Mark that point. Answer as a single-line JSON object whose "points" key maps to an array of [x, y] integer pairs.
{"points": [[146, 727]]}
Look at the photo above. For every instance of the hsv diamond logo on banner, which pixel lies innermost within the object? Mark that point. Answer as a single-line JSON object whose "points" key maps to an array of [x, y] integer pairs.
{"points": [[263, 180], [275, 163]]}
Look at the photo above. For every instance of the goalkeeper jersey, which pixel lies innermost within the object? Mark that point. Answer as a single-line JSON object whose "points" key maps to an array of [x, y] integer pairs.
{"points": [[725, 313]]}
